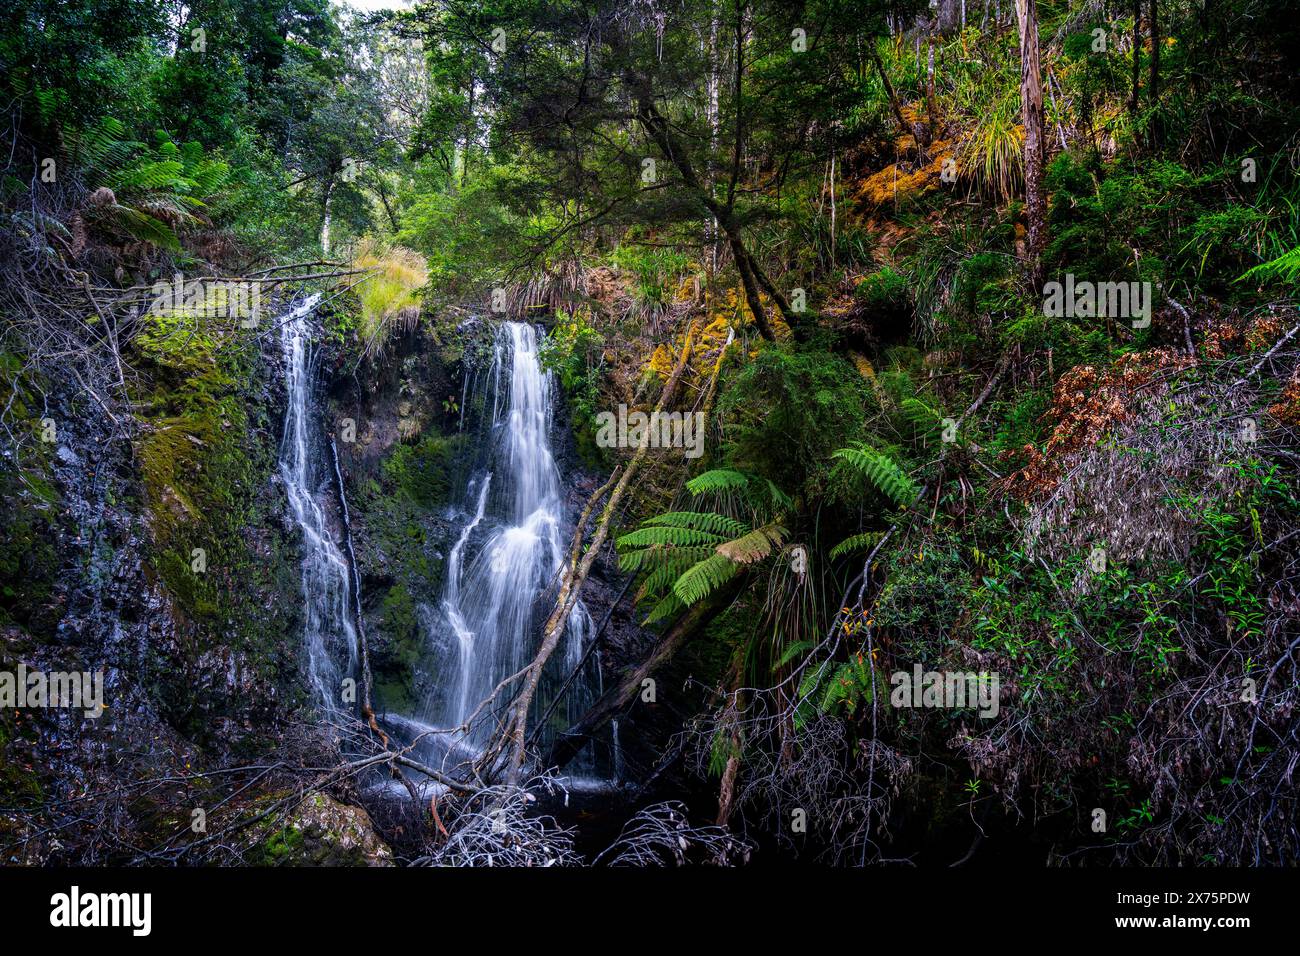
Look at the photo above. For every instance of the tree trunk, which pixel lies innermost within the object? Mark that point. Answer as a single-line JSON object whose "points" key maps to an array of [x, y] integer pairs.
{"points": [[469, 137], [1031, 100], [1137, 58], [752, 276], [1153, 79], [931, 99], [893, 101]]}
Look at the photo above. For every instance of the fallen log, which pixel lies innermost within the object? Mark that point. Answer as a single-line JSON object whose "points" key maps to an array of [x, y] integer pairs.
{"points": [[616, 700]]}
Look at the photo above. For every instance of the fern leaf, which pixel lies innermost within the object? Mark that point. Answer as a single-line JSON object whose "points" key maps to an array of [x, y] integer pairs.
{"points": [[755, 546], [705, 578], [664, 535], [670, 604], [718, 480], [793, 651], [857, 542], [701, 521], [881, 471], [1286, 267]]}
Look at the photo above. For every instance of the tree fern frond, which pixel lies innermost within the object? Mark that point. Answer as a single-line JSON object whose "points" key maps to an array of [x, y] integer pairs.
{"points": [[755, 546], [857, 542], [677, 559], [144, 227], [705, 578], [653, 535], [881, 471], [779, 500], [670, 604], [718, 480], [701, 521], [923, 419]]}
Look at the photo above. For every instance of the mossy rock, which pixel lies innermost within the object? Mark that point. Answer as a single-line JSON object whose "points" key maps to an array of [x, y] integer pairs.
{"points": [[324, 832]]}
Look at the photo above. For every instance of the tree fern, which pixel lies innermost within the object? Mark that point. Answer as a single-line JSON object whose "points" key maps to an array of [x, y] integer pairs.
{"points": [[755, 546], [668, 535], [704, 578], [793, 651], [759, 494], [701, 520], [718, 480], [153, 192]]}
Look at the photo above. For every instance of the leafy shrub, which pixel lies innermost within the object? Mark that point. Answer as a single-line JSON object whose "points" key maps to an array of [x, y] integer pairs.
{"points": [[786, 412]]}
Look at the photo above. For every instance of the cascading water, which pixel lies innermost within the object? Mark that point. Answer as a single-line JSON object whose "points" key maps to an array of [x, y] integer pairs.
{"points": [[507, 556], [329, 634], [500, 571]]}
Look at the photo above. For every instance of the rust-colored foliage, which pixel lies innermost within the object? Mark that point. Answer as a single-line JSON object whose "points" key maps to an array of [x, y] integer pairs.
{"points": [[1086, 403]]}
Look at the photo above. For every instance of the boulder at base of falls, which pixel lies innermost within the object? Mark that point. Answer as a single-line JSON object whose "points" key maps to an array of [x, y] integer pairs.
{"points": [[324, 832]]}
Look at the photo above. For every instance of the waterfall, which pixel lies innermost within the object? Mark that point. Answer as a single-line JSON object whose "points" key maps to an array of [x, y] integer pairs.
{"points": [[500, 572], [329, 634], [513, 540]]}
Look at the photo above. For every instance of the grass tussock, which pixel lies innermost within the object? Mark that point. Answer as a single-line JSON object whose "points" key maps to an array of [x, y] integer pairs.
{"points": [[390, 296]]}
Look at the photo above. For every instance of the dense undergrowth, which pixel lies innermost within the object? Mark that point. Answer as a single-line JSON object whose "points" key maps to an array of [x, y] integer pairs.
{"points": [[906, 458]]}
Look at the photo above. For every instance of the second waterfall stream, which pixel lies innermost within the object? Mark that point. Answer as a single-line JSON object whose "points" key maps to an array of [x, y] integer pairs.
{"points": [[502, 568]]}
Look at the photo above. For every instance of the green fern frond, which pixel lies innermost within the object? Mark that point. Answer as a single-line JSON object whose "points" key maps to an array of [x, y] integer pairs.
{"points": [[923, 419], [793, 651], [856, 543], [780, 501], [718, 480], [659, 580], [676, 559], [144, 227], [661, 535], [667, 607], [1285, 267], [705, 578], [755, 546], [881, 471], [701, 521]]}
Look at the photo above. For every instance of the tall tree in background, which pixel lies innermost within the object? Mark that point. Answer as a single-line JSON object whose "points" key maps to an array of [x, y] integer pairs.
{"points": [[1031, 103], [635, 120]]}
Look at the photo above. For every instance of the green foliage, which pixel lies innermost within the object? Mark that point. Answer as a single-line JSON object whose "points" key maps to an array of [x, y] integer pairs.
{"points": [[154, 192], [881, 472], [684, 556], [885, 291], [1285, 268], [421, 473], [398, 649], [656, 273], [857, 542], [785, 412], [1100, 215], [572, 352]]}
